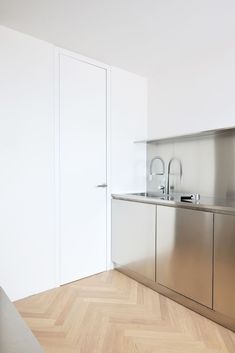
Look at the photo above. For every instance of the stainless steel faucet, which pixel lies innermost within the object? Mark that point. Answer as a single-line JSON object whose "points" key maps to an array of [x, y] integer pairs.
{"points": [[169, 172], [162, 172]]}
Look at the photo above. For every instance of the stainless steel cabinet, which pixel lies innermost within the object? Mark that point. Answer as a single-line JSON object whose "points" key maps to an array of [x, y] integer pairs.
{"points": [[133, 237], [185, 252], [224, 265]]}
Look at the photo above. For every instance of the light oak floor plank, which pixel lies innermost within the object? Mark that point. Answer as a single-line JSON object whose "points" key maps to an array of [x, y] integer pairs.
{"points": [[112, 313]]}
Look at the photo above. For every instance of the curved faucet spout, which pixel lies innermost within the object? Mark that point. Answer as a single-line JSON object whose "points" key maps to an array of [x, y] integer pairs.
{"points": [[169, 172], [157, 158], [162, 186]]}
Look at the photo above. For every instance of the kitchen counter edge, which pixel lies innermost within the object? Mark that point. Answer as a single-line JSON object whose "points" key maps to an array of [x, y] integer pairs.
{"points": [[202, 206]]}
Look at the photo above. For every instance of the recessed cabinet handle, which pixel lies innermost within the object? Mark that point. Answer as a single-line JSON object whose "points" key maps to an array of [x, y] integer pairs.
{"points": [[102, 186]]}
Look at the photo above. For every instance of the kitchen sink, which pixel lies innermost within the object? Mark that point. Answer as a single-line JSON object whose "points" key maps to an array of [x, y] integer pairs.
{"points": [[174, 197], [149, 194]]}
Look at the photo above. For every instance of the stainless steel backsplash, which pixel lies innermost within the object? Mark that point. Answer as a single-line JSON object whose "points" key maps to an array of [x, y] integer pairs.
{"points": [[208, 165]]}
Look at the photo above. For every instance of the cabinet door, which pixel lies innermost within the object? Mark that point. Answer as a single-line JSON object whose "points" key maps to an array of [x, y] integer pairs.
{"points": [[185, 252], [224, 265], [133, 237]]}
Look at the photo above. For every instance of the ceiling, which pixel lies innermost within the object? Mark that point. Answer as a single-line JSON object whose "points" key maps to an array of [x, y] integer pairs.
{"points": [[141, 36]]}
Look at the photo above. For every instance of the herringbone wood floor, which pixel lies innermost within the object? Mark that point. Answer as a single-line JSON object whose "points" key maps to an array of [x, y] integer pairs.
{"points": [[111, 313]]}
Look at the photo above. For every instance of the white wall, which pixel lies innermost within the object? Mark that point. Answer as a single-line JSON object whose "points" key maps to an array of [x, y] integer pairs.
{"points": [[186, 48], [27, 221], [193, 98], [29, 260], [128, 124], [193, 83]]}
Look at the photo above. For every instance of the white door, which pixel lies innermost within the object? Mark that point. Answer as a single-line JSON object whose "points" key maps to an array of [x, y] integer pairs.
{"points": [[83, 110]]}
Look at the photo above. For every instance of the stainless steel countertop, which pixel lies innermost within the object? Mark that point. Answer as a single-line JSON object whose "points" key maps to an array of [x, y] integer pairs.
{"points": [[205, 203]]}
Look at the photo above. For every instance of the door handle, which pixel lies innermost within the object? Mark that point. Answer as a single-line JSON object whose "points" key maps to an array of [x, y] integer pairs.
{"points": [[102, 185]]}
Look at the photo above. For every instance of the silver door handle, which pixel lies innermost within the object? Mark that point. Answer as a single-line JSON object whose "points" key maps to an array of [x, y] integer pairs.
{"points": [[102, 186]]}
